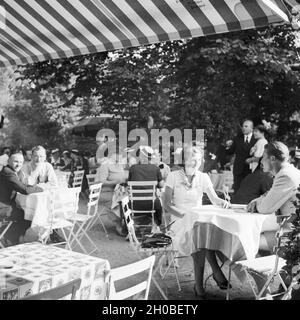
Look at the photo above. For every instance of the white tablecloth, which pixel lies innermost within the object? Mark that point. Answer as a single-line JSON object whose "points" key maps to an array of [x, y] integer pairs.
{"points": [[36, 268], [37, 206], [244, 227]]}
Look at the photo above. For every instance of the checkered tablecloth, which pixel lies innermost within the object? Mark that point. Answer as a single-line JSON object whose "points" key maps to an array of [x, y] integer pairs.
{"points": [[36, 268]]}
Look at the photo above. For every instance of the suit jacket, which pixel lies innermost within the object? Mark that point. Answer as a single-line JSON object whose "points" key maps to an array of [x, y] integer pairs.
{"points": [[242, 152], [282, 193], [10, 185]]}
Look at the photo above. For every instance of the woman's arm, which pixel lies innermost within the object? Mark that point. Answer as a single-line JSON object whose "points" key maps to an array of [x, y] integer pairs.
{"points": [[168, 205], [213, 197]]}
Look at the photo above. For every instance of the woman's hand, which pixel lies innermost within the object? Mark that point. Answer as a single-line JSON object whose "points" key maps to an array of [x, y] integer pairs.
{"points": [[249, 160], [224, 204], [251, 207]]}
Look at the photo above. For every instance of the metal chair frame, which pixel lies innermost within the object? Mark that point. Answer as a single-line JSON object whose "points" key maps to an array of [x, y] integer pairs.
{"points": [[128, 271], [160, 253], [272, 270], [83, 221]]}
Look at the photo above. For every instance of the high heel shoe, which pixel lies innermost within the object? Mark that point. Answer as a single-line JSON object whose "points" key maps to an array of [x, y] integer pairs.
{"points": [[222, 285], [199, 296]]}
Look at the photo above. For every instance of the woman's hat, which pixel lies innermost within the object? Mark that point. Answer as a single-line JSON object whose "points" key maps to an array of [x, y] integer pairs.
{"points": [[75, 151], [146, 151], [54, 151]]}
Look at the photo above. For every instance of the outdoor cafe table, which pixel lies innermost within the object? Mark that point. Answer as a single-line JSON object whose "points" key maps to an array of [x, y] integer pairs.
{"points": [[33, 267], [233, 232], [37, 206]]}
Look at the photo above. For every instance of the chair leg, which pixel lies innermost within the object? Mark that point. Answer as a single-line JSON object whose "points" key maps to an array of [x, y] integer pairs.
{"points": [[158, 264], [159, 288], [175, 270]]}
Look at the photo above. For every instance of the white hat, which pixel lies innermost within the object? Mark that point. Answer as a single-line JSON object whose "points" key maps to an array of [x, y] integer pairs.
{"points": [[146, 151], [54, 151]]}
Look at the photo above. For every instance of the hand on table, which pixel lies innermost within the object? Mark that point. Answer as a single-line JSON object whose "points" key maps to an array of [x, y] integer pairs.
{"points": [[224, 204], [251, 207]]}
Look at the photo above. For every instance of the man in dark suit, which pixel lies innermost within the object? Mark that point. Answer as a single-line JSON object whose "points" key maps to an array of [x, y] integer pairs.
{"points": [[241, 147], [9, 186]]}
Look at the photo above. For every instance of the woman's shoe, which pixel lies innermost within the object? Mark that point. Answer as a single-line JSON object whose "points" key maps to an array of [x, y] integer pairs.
{"points": [[222, 285], [199, 296]]}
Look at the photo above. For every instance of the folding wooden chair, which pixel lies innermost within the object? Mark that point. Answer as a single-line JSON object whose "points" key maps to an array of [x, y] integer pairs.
{"points": [[63, 178], [162, 253], [77, 179], [61, 214], [141, 191], [128, 271], [57, 293], [267, 267], [82, 221]]}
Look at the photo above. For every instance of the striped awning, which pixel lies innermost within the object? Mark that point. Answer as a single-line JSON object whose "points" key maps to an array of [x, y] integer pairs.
{"points": [[38, 30]]}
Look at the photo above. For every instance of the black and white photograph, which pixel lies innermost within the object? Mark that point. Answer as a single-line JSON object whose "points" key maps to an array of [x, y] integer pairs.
{"points": [[150, 150]]}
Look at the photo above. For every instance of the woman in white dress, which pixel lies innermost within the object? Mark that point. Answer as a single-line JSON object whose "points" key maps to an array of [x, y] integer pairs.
{"points": [[258, 149], [184, 189]]}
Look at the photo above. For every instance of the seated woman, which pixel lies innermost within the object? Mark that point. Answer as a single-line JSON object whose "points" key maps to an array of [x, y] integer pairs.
{"points": [[184, 189], [110, 174], [253, 186]]}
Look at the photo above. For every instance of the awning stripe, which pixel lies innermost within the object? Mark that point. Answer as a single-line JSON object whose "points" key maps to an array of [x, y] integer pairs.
{"points": [[23, 50], [188, 19], [11, 51], [171, 15], [145, 15], [257, 12], [127, 23], [227, 14], [107, 24], [38, 30], [200, 17], [27, 21], [43, 19], [70, 23]]}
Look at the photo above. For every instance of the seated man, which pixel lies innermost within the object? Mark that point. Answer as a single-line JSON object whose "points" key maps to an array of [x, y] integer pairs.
{"points": [[145, 171], [280, 197], [253, 186], [38, 170], [9, 186], [282, 193]]}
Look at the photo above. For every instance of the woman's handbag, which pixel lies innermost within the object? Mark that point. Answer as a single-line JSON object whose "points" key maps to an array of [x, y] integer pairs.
{"points": [[156, 240]]}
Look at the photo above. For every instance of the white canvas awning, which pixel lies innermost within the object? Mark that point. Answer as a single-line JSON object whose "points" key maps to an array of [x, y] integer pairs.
{"points": [[38, 30]]}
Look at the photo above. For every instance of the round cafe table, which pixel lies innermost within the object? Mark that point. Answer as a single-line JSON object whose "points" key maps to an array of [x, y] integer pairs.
{"points": [[37, 206], [233, 232]]}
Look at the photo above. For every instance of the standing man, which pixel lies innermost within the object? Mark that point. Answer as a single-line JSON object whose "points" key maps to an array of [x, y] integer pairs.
{"points": [[9, 186], [241, 148]]}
